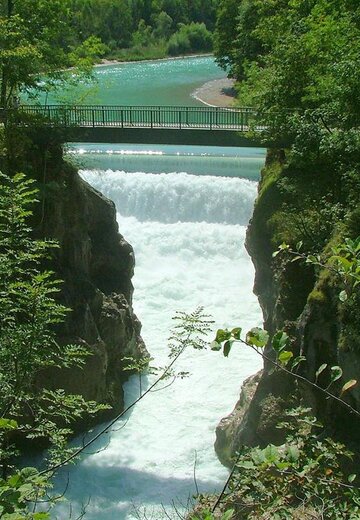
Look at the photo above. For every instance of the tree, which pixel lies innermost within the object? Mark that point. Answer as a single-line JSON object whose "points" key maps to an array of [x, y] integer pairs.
{"points": [[225, 32], [193, 37], [163, 25], [36, 46], [29, 316]]}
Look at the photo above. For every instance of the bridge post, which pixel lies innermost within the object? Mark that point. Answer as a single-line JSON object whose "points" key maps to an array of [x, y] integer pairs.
{"points": [[122, 118], [180, 119], [93, 117]]}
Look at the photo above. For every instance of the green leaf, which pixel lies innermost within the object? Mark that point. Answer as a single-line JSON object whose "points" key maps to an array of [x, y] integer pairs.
{"points": [[343, 296], [280, 341], [246, 464], [258, 456], [292, 453], [14, 480], [296, 258], [8, 424], [348, 385], [285, 356], [222, 335], [227, 348], [297, 361], [257, 337], [271, 453], [352, 477], [320, 370], [236, 332], [29, 472], [228, 515], [346, 264], [336, 373]]}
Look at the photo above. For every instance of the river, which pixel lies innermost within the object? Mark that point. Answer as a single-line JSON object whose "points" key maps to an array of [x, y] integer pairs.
{"points": [[185, 211]]}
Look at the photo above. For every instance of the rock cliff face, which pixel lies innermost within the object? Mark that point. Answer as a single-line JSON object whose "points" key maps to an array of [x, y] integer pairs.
{"points": [[307, 307], [96, 264]]}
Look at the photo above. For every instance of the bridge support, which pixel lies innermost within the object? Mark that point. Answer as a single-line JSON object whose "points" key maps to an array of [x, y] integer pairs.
{"points": [[160, 136]]}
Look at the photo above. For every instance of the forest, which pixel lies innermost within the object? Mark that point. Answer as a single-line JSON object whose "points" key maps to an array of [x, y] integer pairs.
{"points": [[134, 29]]}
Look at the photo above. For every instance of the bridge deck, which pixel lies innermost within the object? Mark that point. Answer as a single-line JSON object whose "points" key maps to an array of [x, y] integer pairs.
{"points": [[173, 117], [212, 126]]}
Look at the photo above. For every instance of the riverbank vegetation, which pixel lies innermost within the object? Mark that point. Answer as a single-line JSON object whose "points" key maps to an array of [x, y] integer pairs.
{"points": [[144, 29], [31, 414]]}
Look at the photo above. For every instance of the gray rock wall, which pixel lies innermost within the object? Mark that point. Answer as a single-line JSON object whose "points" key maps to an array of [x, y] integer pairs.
{"points": [[96, 264], [321, 328]]}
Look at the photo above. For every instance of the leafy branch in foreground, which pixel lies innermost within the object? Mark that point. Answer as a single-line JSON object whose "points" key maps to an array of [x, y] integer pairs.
{"points": [[187, 332], [28, 347], [302, 478], [282, 359], [343, 262], [304, 475]]}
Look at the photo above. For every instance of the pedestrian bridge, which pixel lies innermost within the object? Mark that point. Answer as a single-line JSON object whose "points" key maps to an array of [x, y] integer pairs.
{"points": [[150, 124]]}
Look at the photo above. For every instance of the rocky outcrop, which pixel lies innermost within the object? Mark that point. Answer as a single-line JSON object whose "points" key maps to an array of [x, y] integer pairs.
{"points": [[96, 264], [229, 428], [307, 307]]}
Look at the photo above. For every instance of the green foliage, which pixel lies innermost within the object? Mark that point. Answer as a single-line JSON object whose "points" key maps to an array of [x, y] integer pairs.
{"points": [[189, 330], [89, 51], [163, 26], [344, 262], [296, 62], [142, 37], [206, 514], [304, 476], [190, 38], [35, 41], [28, 319], [139, 29], [17, 490]]}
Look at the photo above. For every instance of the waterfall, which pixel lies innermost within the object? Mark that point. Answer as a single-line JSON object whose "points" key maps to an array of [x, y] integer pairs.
{"points": [[177, 197], [188, 234]]}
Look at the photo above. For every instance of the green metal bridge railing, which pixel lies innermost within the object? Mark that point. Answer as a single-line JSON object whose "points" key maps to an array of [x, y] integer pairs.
{"points": [[175, 117]]}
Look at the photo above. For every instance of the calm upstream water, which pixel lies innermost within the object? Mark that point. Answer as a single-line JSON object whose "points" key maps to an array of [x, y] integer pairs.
{"points": [[185, 211], [162, 82]]}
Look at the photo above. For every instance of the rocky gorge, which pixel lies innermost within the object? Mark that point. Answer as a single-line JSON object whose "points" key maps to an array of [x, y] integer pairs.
{"points": [[96, 265], [301, 300]]}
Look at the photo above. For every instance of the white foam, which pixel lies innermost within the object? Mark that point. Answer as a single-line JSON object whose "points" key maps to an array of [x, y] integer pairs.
{"points": [[193, 258], [177, 196]]}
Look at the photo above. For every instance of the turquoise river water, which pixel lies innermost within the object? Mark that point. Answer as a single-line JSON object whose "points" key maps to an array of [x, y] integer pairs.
{"points": [[161, 82], [185, 211]]}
